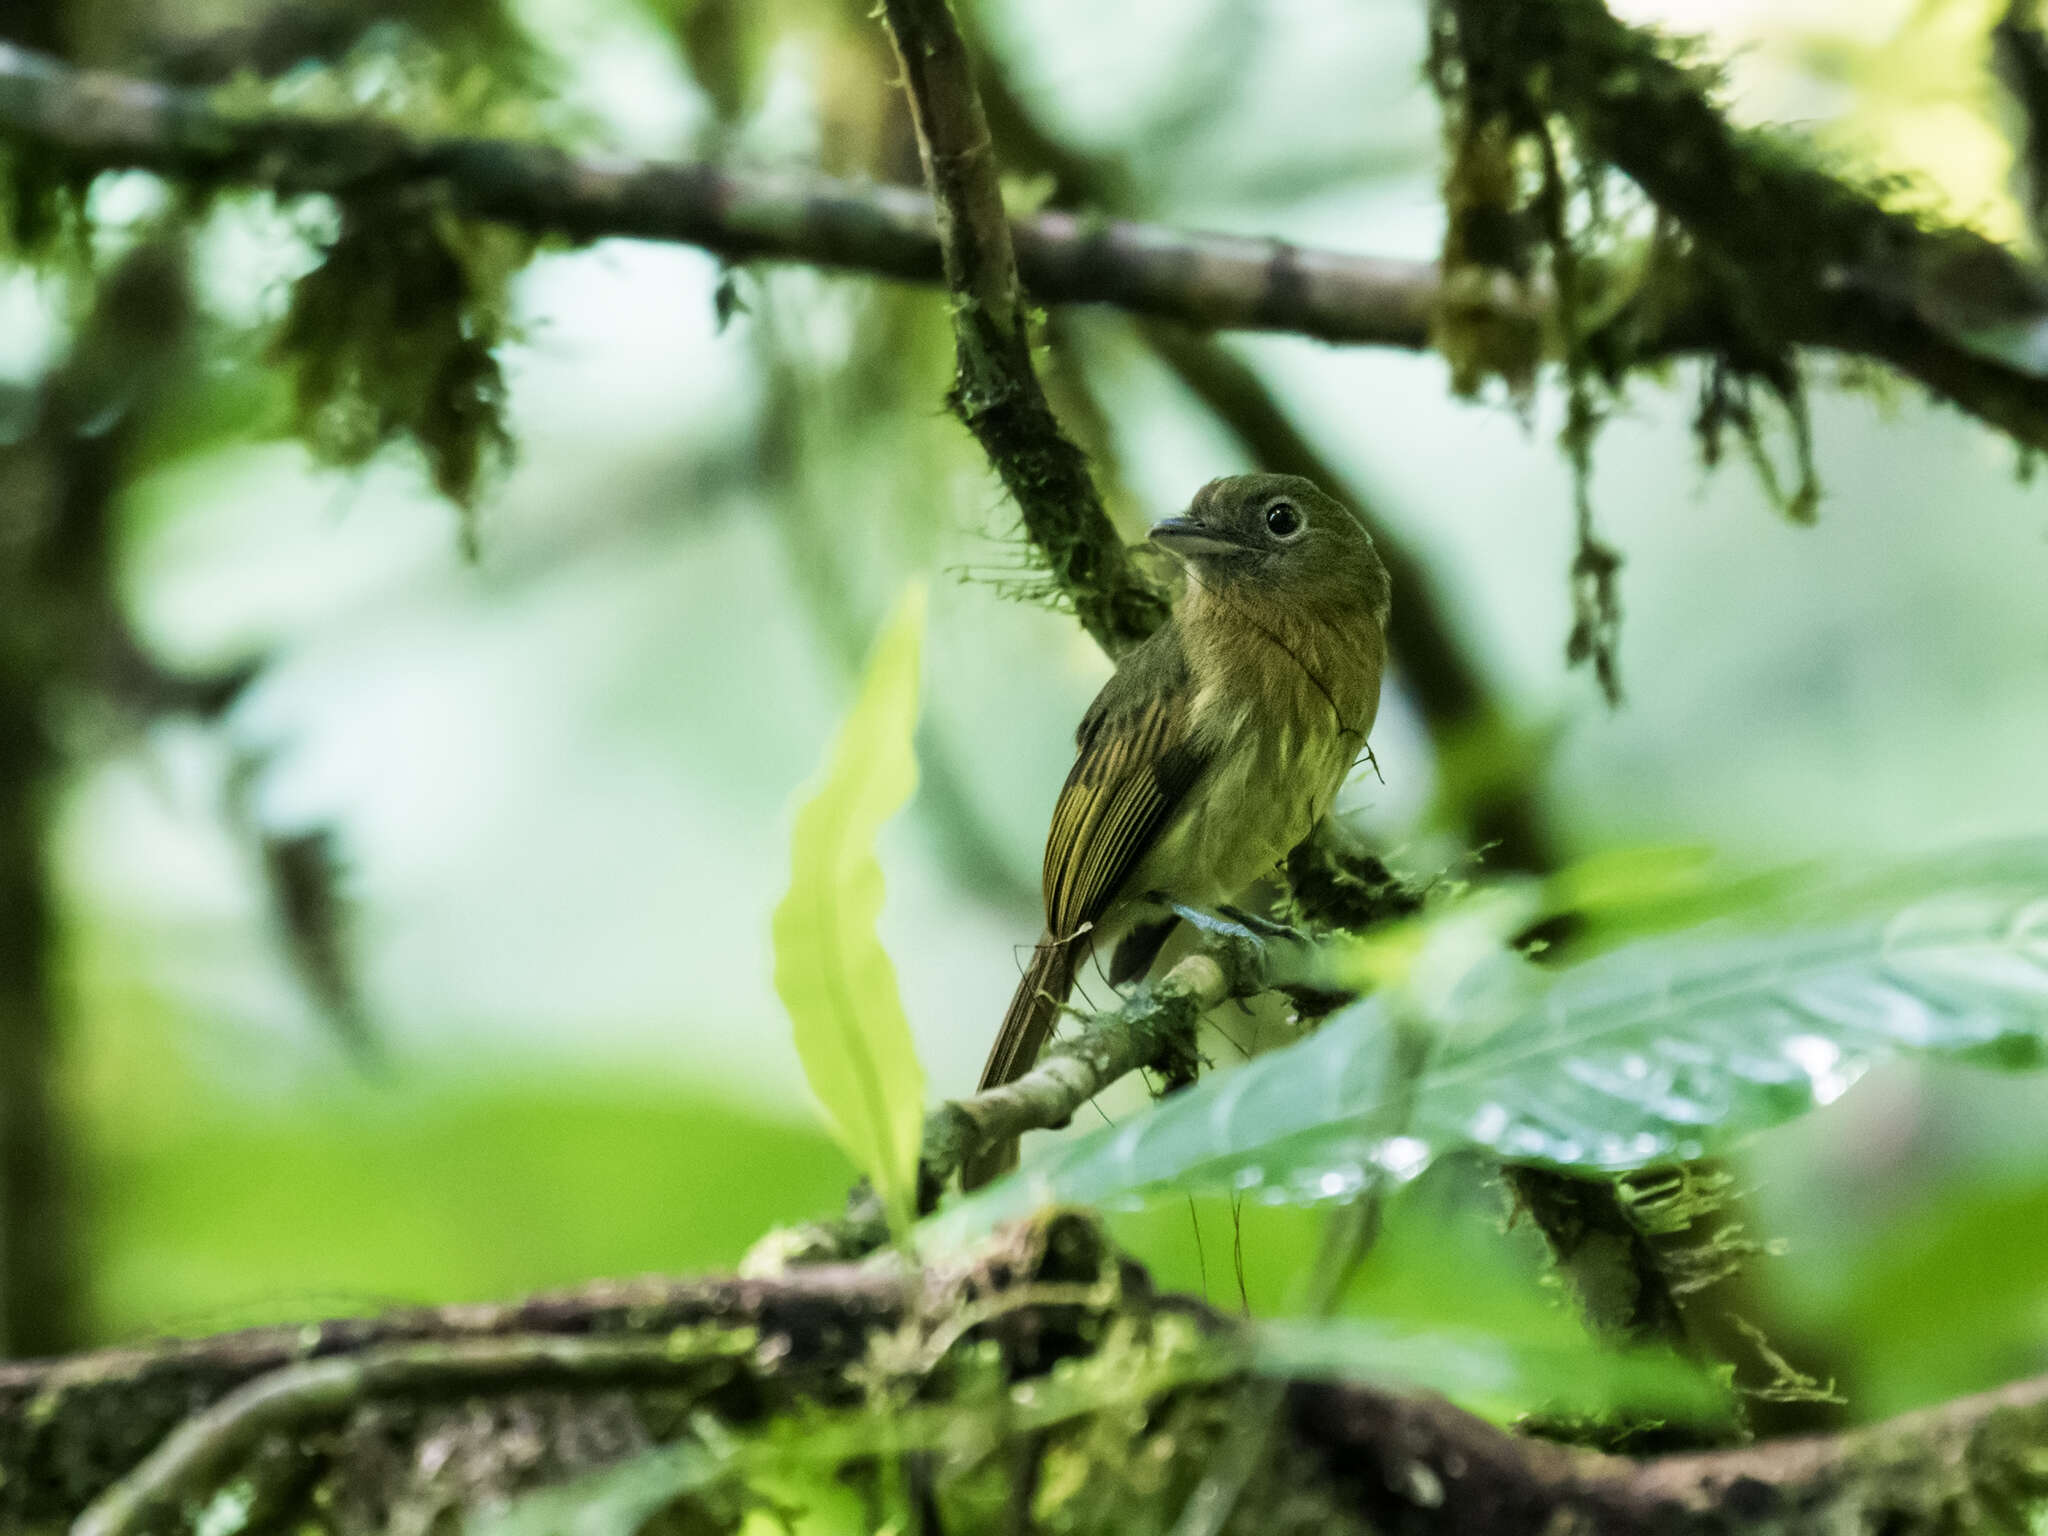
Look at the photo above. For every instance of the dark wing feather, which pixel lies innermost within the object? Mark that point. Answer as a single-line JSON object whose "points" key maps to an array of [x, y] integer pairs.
{"points": [[1136, 766]]}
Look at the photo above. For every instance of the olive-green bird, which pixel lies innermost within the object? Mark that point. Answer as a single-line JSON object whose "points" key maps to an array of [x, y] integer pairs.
{"points": [[1220, 741]]}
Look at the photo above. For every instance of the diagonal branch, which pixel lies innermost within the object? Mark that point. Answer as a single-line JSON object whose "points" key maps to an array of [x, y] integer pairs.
{"points": [[1155, 1027], [996, 391], [1798, 254]]}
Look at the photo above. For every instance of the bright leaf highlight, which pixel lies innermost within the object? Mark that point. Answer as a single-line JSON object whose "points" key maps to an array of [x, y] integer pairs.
{"points": [[831, 971]]}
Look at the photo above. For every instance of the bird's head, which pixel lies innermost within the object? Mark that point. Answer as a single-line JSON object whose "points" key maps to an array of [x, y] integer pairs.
{"points": [[1278, 537]]}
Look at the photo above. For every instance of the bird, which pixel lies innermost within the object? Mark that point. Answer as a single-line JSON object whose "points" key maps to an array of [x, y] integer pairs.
{"points": [[1215, 747]]}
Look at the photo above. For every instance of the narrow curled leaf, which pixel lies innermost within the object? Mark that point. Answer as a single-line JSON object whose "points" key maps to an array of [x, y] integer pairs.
{"points": [[1660, 1051], [831, 971]]}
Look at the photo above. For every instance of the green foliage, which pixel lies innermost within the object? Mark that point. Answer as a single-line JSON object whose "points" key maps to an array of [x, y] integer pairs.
{"points": [[726, 44], [42, 208], [210, 1212], [1122, 1434], [1486, 1372], [394, 335], [1659, 1051], [831, 970]]}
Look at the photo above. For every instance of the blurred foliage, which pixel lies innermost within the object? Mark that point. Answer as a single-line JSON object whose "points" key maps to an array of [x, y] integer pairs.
{"points": [[1977, 1240], [41, 208], [441, 1187], [1920, 104], [213, 1203], [203, 42]]}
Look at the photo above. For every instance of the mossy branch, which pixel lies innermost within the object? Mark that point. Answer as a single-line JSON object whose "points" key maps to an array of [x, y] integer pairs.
{"points": [[1154, 1028], [194, 1457], [1780, 250], [92, 121], [1900, 290], [996, 390], [139, 1434]]}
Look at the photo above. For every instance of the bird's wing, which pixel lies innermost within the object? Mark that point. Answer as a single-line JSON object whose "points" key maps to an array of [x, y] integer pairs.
{"points": [[1137, 763]]}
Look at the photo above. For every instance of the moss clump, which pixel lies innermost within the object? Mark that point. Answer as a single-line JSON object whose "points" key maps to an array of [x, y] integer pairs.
{"points": [[1552, 109], [395, 335]]}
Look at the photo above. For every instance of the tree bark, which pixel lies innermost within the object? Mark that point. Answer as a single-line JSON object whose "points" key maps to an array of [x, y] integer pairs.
{"points": [[71, 1430]]}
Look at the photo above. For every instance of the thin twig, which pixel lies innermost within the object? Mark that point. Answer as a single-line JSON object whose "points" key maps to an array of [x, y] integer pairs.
{"points": [[1155, 1025]]}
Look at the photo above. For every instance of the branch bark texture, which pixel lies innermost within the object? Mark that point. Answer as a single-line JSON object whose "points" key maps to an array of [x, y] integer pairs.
{"points": [[70, 1427], [93, 121], [996, 390], [72, 1430], [1891, 288]]}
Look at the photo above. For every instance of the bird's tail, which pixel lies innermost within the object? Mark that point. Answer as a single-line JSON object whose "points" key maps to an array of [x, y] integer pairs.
{"points": [[1034, 1009]]}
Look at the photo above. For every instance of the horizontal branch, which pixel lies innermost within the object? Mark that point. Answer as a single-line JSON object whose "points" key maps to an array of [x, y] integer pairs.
{"points": [[69, 1428], [90, 121], [95, 121], [1971, 1465], [201, 1450], [162, 1423]]}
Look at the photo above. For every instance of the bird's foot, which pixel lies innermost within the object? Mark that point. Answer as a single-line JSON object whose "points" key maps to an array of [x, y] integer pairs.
{"points": [[1229, 922]]}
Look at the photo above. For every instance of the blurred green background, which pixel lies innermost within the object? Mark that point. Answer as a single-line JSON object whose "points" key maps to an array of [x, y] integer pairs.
{"points": [[558, 779]]}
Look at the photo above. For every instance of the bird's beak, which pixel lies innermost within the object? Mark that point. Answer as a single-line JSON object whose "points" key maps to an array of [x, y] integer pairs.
{"points": [[1183, 536]]}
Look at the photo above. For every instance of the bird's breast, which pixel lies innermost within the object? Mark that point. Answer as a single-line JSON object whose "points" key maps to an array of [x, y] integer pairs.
{"points": [[1280, 749]]}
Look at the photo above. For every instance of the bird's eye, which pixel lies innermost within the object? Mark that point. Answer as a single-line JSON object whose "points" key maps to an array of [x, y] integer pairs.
{"points": [[1282, 520]]}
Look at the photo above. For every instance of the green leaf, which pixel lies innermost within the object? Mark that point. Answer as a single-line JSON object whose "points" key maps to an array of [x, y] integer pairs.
{"points": [[1484, 1372], [1656, 1052], [831, 971]]}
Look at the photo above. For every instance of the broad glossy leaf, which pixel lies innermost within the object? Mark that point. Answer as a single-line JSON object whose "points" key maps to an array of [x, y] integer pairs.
{"points": [[831, 971], [1655, 1052]]}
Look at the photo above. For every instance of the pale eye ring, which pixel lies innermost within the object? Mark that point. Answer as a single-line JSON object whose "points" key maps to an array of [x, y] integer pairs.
{"points": [[1283, 520]]}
